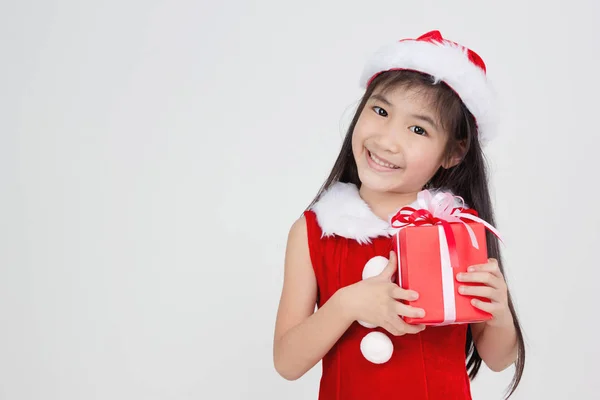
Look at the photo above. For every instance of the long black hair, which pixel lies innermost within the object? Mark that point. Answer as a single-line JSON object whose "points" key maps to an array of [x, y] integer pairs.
{"points": [[468, 179]]}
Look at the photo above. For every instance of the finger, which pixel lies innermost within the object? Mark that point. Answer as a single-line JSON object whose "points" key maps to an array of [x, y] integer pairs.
{"points": [[409, 311], [392, 328], [403, 294], [484, 305], [390, 268], [400, 326], [413, 328], [480, 291], [480, 277], [491, 267]]}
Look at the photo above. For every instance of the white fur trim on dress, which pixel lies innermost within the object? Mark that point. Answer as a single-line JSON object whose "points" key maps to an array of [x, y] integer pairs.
{"points": [[446, 62], [341, 211]]}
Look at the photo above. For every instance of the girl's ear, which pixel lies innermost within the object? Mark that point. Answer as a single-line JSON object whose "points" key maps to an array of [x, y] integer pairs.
{"points": [[457, 155]]}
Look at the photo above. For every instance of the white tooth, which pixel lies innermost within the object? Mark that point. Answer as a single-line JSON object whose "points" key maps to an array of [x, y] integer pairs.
{"points": [[382, 163]]}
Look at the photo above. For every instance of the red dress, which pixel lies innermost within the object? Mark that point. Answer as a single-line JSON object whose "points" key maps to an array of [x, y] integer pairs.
{"points": [[343, 235]]}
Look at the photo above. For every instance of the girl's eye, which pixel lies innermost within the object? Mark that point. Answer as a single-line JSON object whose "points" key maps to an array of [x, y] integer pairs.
{"points": [[418, 130], [380, 111]]}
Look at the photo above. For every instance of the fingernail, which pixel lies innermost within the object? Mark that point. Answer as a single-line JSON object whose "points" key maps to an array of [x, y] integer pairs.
{"points": [[461, 289], [421, 313], [460, 276], [414, 296], [471, 269]]}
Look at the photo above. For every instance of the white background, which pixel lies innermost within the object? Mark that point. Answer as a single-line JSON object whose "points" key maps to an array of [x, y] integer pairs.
{"points": [[154, 154]]}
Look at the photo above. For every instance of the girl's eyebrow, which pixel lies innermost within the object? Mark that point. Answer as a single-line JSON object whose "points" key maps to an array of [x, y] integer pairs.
{"points": [[382, 99], [425, 118]]}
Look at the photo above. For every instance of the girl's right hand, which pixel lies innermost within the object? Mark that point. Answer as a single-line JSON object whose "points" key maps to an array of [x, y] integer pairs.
{"points": [[375, 301]]}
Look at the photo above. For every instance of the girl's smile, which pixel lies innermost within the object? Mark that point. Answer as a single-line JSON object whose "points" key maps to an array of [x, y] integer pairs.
{"points": [[379, 164]]}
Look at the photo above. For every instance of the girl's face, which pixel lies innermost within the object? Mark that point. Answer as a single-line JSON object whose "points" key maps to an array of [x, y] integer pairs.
{"points": [[398, 143]]}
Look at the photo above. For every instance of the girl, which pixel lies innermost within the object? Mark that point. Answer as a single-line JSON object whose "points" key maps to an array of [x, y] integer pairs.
{"points": [[422, 122]]}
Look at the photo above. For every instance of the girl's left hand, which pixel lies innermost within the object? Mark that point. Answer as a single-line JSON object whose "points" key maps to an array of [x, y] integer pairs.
{"points": [[494, 288]]}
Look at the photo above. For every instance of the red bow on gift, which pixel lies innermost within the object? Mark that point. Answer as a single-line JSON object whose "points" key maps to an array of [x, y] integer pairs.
{"points": [[440, 210]]}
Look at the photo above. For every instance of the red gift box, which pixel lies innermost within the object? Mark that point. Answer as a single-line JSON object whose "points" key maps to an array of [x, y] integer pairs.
{"points": [[434, 244], [420, 268]]}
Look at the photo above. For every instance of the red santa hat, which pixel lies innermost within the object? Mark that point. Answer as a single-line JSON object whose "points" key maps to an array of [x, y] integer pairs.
{"points": [[459, 67]]}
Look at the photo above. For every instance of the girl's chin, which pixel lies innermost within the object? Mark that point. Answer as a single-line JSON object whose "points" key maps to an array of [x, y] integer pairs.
{"points": [[378, 183]]}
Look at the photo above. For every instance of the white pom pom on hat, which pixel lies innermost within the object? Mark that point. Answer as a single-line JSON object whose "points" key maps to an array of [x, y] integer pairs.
{"points": [[459, 67]]}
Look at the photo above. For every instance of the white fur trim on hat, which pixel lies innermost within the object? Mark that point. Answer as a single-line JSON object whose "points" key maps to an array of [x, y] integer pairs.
{"points": [[445, 61]]}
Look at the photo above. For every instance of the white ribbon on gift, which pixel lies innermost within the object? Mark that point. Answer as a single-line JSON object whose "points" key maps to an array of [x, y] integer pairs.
{"points": [[443, 205]]}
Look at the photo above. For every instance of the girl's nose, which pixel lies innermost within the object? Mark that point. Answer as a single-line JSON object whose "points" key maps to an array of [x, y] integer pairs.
{"points": [[389, 140]]}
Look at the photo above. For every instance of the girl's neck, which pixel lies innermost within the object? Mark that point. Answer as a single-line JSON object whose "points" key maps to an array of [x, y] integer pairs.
{"points": [[383, 204]]}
